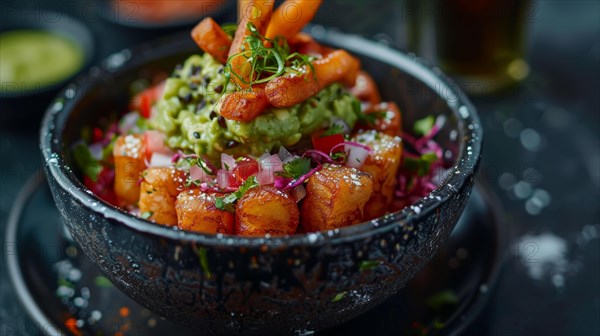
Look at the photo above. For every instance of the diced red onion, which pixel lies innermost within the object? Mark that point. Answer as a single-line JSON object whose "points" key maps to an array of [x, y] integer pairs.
{"points": [[285, 155], [223, 178], [227, 162], [299, 192], [356, 156], [270, 163], [128, 122], [96, 150], [264, 177], [197, 173], [155, 142], [159, 160]]}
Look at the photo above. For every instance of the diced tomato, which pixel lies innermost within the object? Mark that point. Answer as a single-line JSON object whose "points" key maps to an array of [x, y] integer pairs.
{"points": [[244, 169], [103, 187], [326, 143], [97, 135], [143, 101]]}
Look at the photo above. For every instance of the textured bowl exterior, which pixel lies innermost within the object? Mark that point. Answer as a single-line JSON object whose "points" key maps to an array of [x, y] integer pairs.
{"points": [[227, 284]]}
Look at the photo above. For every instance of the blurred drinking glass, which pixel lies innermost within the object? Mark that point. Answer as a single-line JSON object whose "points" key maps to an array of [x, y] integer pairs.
{"points": [[481, 43]]}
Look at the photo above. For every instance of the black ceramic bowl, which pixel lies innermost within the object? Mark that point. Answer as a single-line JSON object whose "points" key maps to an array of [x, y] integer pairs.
{"points": [[20, 108], [230, 284]]}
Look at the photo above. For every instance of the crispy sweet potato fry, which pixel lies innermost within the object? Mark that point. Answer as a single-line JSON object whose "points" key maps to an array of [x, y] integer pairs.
{"points": [[244, 106], [211, 38], [128, 153], [337, 66], [158, 191], [291, 90], [266, 209], [335, 197], [365, 89], [196, 211], [382, 164], [291, 16], [306, 44], [257, 12]]}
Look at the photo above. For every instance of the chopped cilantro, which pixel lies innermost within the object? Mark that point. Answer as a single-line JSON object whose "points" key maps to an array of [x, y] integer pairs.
{"points": [[226, 203], [200, 163], [339, 296], [333, 130], [84, 160], [371, 118], [421, 165], [202, 258], [441, 299], [423, 126], [101, 281], [146, 214], [368, 264], [296, 168]]}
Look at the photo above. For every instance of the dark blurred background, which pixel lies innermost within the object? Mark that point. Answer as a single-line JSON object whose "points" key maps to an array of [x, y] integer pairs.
{"points": [[532, 68]]}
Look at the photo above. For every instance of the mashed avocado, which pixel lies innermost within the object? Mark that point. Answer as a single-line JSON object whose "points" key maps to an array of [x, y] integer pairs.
{"points": [[188, 113]]}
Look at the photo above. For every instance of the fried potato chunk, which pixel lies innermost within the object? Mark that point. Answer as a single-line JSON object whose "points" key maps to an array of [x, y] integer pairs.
{"points": [[335, 197], [158, 192], [196, 211], [266, 209], [382, 164], [128, 152]]}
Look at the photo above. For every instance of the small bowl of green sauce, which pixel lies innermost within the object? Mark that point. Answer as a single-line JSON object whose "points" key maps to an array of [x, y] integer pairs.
{"points": [[40, 52]]}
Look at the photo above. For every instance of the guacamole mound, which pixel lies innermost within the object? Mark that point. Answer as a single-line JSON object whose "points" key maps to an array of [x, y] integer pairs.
{"points": [[188, 113]]}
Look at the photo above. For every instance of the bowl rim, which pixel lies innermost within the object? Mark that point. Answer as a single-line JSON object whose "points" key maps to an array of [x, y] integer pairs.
{"points": [[463, 169], [68, 27]]}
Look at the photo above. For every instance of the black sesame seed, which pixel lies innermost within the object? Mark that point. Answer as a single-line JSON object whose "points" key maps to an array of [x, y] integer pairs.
{"points": [[219, 89], [196, 135], [196, 70], [201, 105], [231, 144], [220, 70], [186, 98], [222, 122], [193, 86], [212, 115], [206, 80]]}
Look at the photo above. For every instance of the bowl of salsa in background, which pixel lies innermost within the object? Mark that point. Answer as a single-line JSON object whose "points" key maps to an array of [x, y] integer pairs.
{"points": [[262, 285], [40, 52]]}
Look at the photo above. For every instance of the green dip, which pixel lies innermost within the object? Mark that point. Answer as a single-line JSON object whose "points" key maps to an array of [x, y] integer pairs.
{"points": [[31, 59], [188, 113]]}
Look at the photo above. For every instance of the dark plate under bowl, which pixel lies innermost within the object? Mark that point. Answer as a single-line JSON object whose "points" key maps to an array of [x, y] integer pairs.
{"points": [[25, 105], [219, 283], [62, 290]]}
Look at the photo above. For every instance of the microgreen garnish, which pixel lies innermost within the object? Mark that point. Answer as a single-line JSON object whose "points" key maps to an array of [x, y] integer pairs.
{"points": [[296, 168], [424, 126], [229, 28], [267, 62], [227, 203]]}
